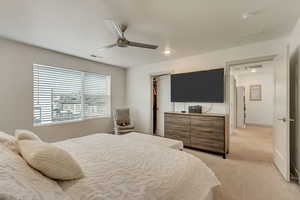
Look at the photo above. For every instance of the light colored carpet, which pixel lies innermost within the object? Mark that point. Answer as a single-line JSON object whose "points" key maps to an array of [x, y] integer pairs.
{"points": [[248, 173]]}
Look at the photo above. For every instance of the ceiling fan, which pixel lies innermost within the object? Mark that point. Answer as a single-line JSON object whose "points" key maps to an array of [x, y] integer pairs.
{"points": [[122, 41]]}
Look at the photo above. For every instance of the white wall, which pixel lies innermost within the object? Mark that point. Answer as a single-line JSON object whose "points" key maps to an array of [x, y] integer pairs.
{"points": [[139, 84], [206, 107], [294, 42], [259, 112], [16, 82]]}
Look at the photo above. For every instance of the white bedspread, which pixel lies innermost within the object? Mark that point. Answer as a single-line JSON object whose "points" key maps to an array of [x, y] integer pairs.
{"points": [[118, 169], [18, 181], [156, 140]]}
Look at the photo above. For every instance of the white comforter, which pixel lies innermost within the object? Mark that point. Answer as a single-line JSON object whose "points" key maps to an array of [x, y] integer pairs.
{"points": [[118, 169], [150, 139], [18, 181]]}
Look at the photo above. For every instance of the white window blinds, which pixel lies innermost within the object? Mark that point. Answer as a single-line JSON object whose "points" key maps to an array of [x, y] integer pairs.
{"points": [[64, 95], [96, 95]]}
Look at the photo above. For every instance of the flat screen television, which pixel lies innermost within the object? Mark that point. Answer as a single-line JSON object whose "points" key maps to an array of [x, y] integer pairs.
{"points": [[202, 86]]}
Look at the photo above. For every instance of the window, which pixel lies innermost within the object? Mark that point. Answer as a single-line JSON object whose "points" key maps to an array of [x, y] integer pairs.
{"points": [[61, 95]]}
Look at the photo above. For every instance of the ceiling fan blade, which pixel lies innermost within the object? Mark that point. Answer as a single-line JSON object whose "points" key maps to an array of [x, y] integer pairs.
{"points": [[115, 26], [107, 46], [142, 45]]}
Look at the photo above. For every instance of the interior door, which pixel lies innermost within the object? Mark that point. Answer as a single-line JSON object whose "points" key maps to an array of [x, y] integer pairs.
{"points": [[281, 134], [240, 107], [164, 101]]}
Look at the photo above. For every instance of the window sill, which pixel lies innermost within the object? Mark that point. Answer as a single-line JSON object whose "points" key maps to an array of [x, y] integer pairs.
{"points": [[69, 122]]}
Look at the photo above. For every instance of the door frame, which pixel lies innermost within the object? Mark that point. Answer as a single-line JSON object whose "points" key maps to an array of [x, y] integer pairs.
{"points": [[228, 66], [233, 85], [244, 104], [235, 102], [152, 76]]}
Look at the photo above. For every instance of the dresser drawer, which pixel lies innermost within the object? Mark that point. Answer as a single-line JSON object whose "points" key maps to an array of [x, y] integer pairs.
{"points": [[213, 135], [180, 120], [215, 124], [177, 127], [208, 144], [178, 135]]}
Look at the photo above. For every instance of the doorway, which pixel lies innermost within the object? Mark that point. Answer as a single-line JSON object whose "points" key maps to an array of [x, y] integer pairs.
{"points": [[281, 120], [161, 102], [253, 93], [253, 89]]}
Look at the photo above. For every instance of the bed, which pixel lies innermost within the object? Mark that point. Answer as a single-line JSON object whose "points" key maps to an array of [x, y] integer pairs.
{"points": [[116, 168], [155, 140]]}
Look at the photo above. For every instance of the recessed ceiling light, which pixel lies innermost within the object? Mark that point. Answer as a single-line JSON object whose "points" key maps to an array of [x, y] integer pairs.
{"points": [[251, 14], [167, 52], [245, 16], [253, 70]]}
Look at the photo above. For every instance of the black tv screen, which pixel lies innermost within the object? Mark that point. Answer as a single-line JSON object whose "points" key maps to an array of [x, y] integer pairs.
{"points": [[202, 86]]}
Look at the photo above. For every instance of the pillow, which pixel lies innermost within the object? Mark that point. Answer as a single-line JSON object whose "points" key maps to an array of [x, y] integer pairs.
{"points": [[50, 160], [123, 123], [8, 141], [20, 181], [22, 134]]}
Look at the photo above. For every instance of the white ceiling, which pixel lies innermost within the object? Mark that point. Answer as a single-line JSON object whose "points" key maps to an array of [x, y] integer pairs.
{"points": [[77, 27]]}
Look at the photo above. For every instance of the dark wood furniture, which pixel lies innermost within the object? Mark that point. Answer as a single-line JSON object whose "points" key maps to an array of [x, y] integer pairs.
{"points": [[201, 131]]}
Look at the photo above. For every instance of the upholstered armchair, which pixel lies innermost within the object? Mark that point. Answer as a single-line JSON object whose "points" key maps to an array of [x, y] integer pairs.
{"points": [[122, 122]]}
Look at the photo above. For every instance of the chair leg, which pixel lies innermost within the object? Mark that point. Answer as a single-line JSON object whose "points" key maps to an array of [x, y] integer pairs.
{"points": [[116, 131]]}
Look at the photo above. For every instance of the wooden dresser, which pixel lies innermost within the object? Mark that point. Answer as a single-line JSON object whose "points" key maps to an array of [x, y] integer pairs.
{"points": [[201, 131]]}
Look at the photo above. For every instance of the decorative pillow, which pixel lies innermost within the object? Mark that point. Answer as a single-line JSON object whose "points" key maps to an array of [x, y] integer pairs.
{"points": [[20, 181], [123, 124], [22, 134], [50, 160], [8, 141]]}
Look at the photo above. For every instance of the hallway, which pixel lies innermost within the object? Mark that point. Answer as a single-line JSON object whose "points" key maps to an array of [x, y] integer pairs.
{"points": [[249, 173], [252, 144]]}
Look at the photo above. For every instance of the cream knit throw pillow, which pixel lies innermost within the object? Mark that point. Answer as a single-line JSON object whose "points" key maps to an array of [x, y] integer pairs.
{"points": [[22, 134], [50, 160], [8, 141]]}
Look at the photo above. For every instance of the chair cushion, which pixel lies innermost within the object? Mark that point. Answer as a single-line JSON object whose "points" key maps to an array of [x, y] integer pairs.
{"points": [[122, 116], [121, 123], [126, 127], [50, 160]]}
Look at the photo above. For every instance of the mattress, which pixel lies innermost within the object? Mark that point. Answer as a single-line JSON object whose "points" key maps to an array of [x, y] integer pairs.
{"points": [[117, 168], [155, 140]]}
